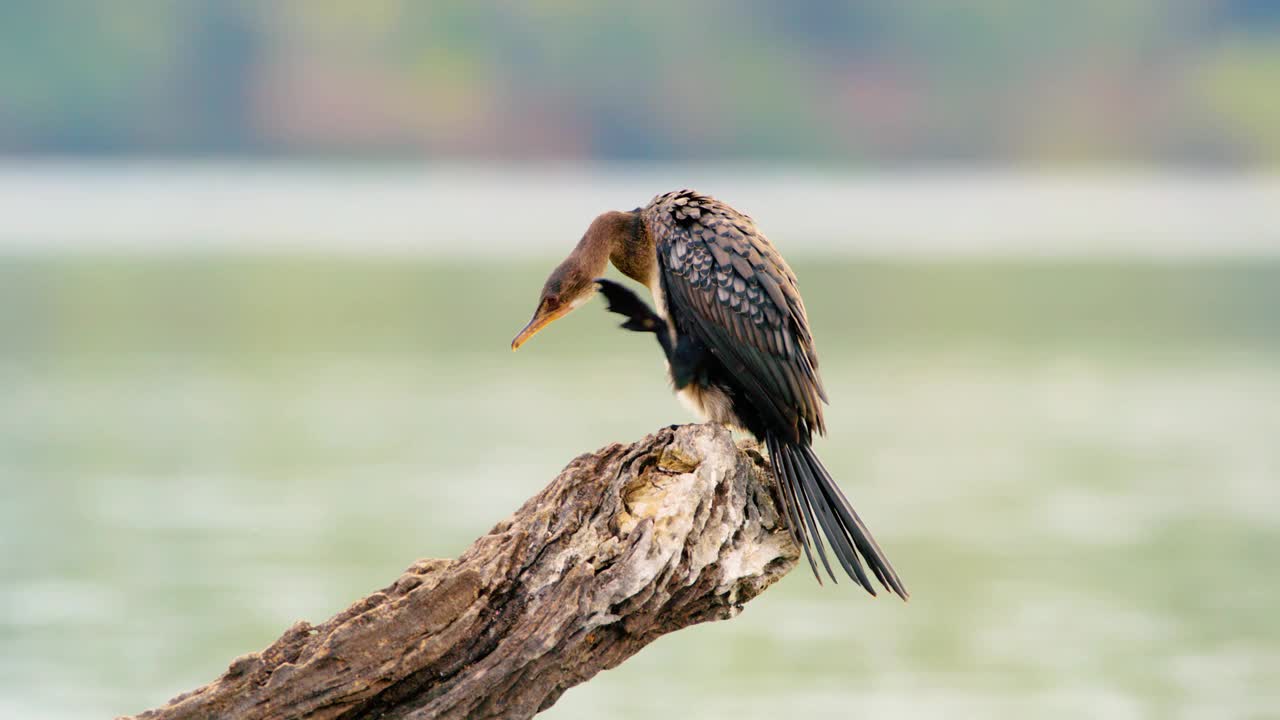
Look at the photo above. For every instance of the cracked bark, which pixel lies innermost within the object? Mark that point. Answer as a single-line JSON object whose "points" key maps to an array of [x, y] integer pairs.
{"points": [[627, 544]]}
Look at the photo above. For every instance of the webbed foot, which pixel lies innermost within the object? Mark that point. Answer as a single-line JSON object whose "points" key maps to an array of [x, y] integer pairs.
{"points": [[640, 317]]}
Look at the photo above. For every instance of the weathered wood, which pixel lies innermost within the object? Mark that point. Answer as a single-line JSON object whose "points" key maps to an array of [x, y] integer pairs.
{"points": [[626, 544]]}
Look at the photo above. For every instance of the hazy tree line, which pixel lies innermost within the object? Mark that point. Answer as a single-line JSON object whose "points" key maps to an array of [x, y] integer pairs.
{"points": [[805, 80]]}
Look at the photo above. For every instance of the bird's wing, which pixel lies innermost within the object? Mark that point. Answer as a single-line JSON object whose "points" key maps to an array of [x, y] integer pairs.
{"points": [[727, 285]]}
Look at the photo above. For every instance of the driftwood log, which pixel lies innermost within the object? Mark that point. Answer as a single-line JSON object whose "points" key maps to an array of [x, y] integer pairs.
{"points": [[626, 544]]}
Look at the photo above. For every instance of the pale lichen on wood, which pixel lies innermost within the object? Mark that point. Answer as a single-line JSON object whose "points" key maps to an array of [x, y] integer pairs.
{"points": [[625, 545]]}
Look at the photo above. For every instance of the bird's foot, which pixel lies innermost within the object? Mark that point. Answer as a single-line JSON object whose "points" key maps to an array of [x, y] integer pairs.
{"points": [[640, 318]]}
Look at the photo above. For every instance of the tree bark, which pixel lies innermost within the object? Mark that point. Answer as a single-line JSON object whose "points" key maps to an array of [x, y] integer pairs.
{"points": [[627, 544]]}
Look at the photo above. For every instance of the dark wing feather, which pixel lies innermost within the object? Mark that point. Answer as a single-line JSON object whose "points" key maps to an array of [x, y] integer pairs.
{"points": [[725, 281]]}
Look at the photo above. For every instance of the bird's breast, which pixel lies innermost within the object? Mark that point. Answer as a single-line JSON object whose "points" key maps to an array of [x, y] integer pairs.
{"points": [[659, 297]]}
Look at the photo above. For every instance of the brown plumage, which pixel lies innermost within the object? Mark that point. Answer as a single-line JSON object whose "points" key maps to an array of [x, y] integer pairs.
{"points": [[736, 335]]}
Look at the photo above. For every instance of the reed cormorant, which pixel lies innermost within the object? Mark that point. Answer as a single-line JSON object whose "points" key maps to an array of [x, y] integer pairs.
{"points": [[734, 330]]}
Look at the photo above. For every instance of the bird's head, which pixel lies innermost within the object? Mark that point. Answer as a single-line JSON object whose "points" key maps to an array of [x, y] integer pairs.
{"points": [[573, 281], [569, 286]]}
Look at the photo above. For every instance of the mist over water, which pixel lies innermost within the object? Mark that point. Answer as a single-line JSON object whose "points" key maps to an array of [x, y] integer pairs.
{"points": [[539, 210]]}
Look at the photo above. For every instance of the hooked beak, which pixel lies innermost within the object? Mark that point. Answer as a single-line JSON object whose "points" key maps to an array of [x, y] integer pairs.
{"points": [[542, 317]]}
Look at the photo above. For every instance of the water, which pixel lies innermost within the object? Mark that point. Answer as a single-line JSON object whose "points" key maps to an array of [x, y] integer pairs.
{"points": [[1073, 466]]}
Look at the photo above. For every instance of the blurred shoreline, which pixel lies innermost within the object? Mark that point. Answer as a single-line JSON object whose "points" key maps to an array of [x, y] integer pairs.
{"points": [[481, 210]]}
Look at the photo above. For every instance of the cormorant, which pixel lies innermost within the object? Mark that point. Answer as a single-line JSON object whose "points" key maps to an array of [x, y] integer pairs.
{"points": [[734, 330]]}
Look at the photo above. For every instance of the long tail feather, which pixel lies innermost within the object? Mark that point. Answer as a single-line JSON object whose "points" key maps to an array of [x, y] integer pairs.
{"points": [[857, 530], [791, 504], [831, 526], [805, 493], [813, 500]]}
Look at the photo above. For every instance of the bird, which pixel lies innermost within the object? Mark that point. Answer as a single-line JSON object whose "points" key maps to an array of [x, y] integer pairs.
{"points": [[731, 323]]}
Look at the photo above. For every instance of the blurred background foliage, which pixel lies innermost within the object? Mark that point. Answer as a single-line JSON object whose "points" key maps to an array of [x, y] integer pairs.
{"points": [[809, 80]]}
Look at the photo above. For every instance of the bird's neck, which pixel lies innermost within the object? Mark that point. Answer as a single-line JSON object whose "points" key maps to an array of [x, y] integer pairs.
{"points": [[618, 237], [631, 248]]}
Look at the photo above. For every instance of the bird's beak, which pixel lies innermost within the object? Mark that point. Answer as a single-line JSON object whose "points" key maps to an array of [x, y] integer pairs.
{"points": [[541, 318]]}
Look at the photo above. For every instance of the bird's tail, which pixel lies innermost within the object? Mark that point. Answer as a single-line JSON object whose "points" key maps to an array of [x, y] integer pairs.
{"points": [[812, 500]]}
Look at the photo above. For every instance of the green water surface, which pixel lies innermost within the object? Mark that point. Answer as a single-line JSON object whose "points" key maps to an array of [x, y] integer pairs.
{"points": [[1075, 466]]}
